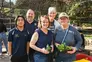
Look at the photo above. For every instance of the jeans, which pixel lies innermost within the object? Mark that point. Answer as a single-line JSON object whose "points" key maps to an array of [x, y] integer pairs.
{"points": [[39, 57], [65, 57], [3, 37]]}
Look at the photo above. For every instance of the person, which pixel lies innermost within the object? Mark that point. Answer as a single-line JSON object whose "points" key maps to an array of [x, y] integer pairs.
{"points": [[69, 36], [3, 37], [83, 38], [18, 41], [40, 39], [53, 24], [82, 48], [52, 14], [30, 25]]}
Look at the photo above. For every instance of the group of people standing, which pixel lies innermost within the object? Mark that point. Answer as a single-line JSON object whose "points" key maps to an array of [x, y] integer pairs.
{"points": [[29, 38]]}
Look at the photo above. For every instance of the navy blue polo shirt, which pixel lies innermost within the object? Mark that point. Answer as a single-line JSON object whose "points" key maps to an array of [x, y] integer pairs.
{"points": [[44, 39], [31, 27], [19, 41]]}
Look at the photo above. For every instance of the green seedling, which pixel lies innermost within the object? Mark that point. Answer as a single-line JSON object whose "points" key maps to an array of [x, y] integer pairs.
{"points": [[48, 47], [63, 48]]}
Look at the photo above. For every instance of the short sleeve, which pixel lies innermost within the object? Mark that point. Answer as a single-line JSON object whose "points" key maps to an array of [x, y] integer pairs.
{"points": [[10, 36]]}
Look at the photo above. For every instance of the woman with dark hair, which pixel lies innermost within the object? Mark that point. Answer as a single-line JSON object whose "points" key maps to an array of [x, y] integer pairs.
{"points": [[40, 39], [18, 40]]}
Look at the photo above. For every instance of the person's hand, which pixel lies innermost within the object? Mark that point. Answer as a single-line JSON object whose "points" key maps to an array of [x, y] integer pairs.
{"points": [[72, 51], [52, 48], [43, 50], [57, 44]]}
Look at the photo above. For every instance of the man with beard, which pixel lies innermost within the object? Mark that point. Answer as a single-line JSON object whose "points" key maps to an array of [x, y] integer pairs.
{"points": [[30, 25]]}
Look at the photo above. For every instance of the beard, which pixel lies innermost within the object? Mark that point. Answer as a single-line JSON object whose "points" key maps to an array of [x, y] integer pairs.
{"points": [[30, 18]]}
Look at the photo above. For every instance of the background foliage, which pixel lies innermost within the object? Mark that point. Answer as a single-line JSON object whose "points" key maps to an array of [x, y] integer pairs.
{"points": [[80, 11]]}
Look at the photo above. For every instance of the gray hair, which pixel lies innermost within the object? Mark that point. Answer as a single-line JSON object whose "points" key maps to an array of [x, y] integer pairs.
{"points": [[51, 9]]}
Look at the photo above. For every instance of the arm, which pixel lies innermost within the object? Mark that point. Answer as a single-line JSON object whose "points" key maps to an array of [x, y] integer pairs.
{"points": [[10, 48], [56, 44], [28, 47], [33, 42], [10, 39], [52, 46], [78, 40]]}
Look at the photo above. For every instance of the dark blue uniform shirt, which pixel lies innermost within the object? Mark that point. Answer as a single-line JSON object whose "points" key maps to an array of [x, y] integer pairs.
{"points": [[19, 41], [44, 39], [31, 27]]}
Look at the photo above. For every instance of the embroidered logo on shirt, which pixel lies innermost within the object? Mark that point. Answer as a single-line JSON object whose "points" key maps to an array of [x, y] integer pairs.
{"points": [[25, 35], [16, 35], [35, 24], [71, 32]]}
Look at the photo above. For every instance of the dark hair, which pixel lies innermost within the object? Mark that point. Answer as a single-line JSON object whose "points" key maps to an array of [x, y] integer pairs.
{"points": [[16, 19]]}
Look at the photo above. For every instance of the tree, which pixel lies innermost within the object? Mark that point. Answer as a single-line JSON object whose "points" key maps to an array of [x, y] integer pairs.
{"points": [[82, 13], [5, 4]]}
